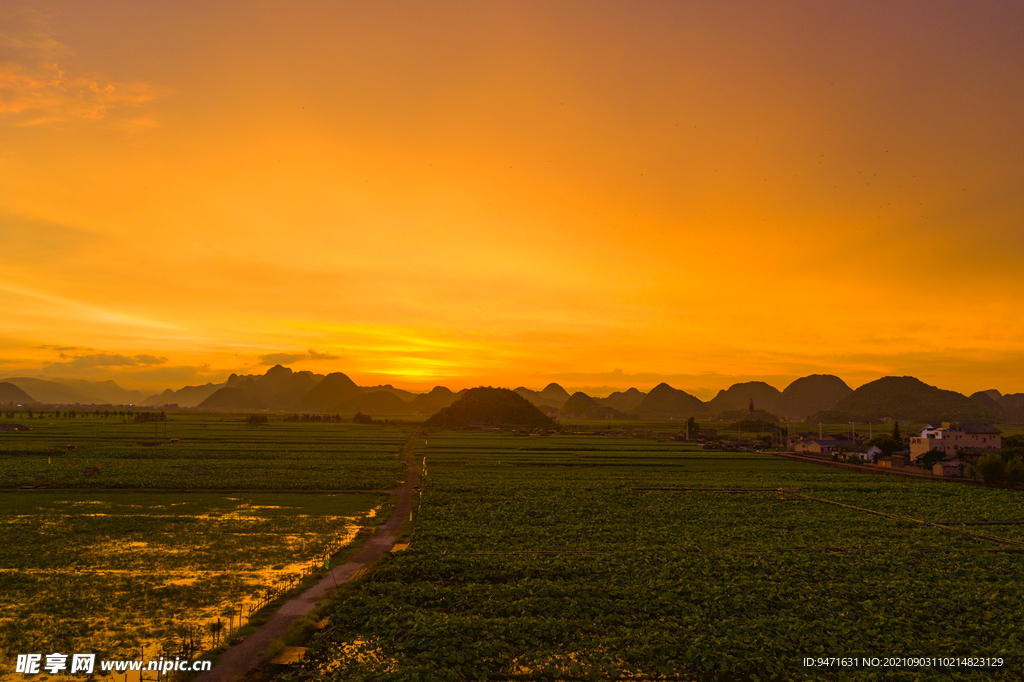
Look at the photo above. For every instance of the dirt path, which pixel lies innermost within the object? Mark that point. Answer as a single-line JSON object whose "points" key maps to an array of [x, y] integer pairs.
{"points": [[243, 657]]}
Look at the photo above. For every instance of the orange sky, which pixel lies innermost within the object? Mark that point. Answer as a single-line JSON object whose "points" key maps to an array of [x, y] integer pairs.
{"points": [[599, 194]]}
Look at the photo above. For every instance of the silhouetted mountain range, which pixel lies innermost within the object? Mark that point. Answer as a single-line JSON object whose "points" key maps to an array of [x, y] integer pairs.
{"points": [[229, 399], [665, 402], [190, 396], [821, 397], [1009, 407], [624, 401], [429, 403], [329, 395], [282, 389], [553, 395], [76, 391], [739, 397], [582, 406], [486, 406], [811, 394], [906, 398], [9, 393]]}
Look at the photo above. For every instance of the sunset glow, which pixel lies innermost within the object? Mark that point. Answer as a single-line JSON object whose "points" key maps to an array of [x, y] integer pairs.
{"points": [[599, 194]]}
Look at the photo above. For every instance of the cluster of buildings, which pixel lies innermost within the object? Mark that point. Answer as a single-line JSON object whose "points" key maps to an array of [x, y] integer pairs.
{"points": [[959, 444]]}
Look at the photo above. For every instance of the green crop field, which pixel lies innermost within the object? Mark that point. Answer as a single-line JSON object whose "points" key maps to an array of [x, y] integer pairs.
{"points": [[576, 557], [165, 539], [212, 453]]}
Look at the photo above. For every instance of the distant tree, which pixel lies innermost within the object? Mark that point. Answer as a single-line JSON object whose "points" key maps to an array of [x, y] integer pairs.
{"points": [[886, 443], [931, 457], [992, 469], [361, 418], [256, 419], [1013, 446], [751, 406], [1015, 472], [896, 435]]}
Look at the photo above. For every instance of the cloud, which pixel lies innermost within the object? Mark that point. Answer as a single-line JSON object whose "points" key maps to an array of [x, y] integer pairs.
{"points": [[289, 358], [91, 360], [96, 360], [41, 84], [281, 358], [144, 359]]}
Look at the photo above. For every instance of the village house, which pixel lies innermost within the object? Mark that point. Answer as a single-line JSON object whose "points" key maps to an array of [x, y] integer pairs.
{"points": [[870, 454], [952, 437], [823, 447], [950, 467]]}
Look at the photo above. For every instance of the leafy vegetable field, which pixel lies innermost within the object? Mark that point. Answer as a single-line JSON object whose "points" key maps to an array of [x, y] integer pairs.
{"points": [[571, 557], [201, 453]]}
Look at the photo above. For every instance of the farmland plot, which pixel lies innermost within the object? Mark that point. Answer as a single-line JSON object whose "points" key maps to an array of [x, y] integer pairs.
{"points": [[118, 572], [129, 540], [210, 454], [598, 558]]}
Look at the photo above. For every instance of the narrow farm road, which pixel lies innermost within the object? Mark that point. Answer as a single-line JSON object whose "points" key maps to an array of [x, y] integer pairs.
{"points": [[243, 657]]}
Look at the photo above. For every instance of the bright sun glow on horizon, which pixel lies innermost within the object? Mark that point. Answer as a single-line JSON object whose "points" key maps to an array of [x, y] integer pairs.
{"points": [[596, 194]]}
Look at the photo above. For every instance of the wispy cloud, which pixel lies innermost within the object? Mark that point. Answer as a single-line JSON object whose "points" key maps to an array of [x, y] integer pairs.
{"points": [[40, 82], [289, 358], [92, 360], [145, 359], [281, 358], [71, 309]]}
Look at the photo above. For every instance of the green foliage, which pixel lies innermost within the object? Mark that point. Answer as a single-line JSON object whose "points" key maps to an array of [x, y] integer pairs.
{"points": [[932, 456], [991, 469], [522, 569], [212, 453], [888, 444], [256, 419], [1013, 446], [1015, 473]]}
